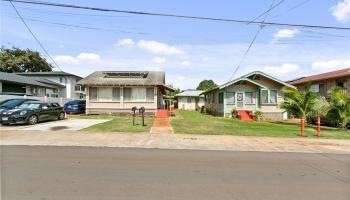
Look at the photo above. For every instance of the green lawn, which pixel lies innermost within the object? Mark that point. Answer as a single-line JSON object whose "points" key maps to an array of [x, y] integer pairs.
{"points": [[191, 122], [118, 123]]}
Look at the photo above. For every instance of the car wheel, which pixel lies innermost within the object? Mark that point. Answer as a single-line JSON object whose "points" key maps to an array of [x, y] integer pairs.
{"points": [[33, 119], [61, 116]]}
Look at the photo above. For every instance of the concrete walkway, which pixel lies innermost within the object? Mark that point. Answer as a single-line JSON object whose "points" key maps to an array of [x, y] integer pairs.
{"points": [[67, 124], [174, 141]]}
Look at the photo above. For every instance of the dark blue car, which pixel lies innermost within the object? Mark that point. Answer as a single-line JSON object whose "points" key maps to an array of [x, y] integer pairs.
{"points": [[75, 106]]}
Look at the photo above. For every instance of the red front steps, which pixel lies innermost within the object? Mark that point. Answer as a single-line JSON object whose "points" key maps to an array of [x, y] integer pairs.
{"points": [[245, 115]]}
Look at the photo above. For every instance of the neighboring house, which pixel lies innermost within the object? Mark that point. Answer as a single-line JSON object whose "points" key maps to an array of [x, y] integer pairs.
{"points": [[118, 91], [322, 83], [21, 85], [69, 89], [251, 92], [190, 99]]}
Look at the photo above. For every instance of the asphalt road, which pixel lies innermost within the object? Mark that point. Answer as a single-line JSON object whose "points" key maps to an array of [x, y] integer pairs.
{"points": [[46, 173]]}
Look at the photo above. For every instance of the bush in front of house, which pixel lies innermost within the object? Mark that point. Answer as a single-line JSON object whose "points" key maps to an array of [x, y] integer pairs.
{"points": [[258, 115], [234, 113], [209, 109]]}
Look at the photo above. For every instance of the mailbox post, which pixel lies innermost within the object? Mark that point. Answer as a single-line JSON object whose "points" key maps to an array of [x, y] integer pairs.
{"points": [[133, 109], [142, 111]]}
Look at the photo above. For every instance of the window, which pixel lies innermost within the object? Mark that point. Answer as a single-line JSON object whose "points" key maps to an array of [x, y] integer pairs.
{"points": [[264, 96], [315, 88], [221, 98], [230, 98], [104, 94], [138, 94], [93, 93], [341, 84], [149, 94], [273, 96], [116, 94], [189, 99], [127, 94], [248, 98], [62, 79]]}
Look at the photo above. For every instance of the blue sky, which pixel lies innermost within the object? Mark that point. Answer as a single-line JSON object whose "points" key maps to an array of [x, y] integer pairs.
{"points": [[188, 50]]}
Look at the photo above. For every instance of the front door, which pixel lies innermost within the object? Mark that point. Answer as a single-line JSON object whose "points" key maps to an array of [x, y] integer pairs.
{"points": [[240, 100]]}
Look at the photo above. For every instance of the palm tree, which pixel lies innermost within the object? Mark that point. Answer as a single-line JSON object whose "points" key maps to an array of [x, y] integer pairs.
{"points": [[339, 106], [300, 103]]}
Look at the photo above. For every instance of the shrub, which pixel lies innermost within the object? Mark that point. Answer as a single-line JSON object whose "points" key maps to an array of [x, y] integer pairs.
{"points": [[258, 115], [234, 113], [209, 109]]}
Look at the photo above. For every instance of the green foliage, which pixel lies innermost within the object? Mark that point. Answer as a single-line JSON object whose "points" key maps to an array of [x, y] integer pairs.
{"points": [[209, 109], [258, 115], [339, 106], [19, 60], [234, 113], [206, 85], [299, 103]]}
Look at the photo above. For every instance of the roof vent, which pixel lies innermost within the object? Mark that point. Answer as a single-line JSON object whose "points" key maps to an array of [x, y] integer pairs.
{"points": [[132, 75]]}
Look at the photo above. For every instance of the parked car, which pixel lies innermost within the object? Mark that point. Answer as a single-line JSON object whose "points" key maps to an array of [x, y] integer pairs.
{"points": [[32, 112], [11, 104], [75, 106]]}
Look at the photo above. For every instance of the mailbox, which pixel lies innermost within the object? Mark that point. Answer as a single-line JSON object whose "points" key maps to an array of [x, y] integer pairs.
{"points": [[142, 111], [133, 109]]}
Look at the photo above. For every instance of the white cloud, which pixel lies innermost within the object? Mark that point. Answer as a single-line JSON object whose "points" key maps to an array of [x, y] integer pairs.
{"points": [[286, 33], [88, 56], [282, 70], [82, 57], [330, 65], [125, 42], [159, 48], [342, 10], [65, 59], [159, 60], [185, 63]]}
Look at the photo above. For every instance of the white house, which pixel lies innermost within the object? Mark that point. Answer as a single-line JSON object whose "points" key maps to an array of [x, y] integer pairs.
{"points": [[190, 99], [70, 88]]}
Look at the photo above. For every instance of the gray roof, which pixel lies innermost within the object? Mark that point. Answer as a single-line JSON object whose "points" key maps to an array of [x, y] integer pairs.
{"points": [[190, 93], [247, 77], [54, 73], [125, 78], [14, 78]]}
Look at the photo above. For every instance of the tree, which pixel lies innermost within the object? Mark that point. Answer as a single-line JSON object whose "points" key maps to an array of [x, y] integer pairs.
{"points": [[206, 85], [339, 106], [19, 60], [300, 103]]}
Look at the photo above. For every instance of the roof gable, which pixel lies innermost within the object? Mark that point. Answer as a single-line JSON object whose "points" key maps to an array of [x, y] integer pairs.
{"points": [[269, 77]]}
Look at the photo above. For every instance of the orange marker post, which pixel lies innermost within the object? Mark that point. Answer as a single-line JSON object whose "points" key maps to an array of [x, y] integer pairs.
{"points": [[318, 126], [302, 127]]}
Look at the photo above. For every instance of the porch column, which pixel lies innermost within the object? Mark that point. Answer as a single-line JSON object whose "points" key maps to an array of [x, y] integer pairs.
{"points": [[224, 102], [121, 97], [155, 98]]}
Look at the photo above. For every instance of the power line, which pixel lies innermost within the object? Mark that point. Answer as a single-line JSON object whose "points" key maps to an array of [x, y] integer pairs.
{"points": [[252, 42], [180, 16], [267, 11], [79, 26], [37, 40]]}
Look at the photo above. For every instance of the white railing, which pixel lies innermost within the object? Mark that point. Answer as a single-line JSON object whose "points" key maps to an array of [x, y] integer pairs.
{"points": [[59, 100]]}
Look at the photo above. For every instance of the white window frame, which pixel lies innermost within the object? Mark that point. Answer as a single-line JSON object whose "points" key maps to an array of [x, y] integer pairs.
{"points": [[268, 97]]}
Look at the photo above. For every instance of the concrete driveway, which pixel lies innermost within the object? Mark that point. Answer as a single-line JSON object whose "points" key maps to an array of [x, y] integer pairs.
{"points": [[67, 124]]}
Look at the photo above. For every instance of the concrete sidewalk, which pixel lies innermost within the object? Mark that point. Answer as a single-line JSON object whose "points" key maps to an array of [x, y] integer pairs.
{"points": [[174, 141]]}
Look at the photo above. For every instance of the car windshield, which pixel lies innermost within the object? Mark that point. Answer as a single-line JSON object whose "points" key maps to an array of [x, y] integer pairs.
{"points": [[12, 103], [29, 105], [74, 102]]}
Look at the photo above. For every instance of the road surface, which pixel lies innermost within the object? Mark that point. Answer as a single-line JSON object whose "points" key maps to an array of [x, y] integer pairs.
{"points": [[46, 173]]}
